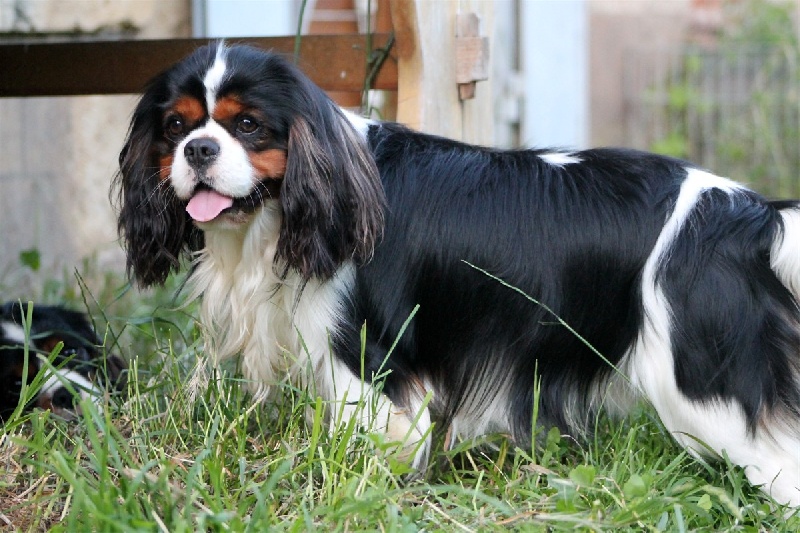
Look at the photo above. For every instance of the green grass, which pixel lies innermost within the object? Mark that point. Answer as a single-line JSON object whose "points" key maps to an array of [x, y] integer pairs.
{"points": [[165, 459]]}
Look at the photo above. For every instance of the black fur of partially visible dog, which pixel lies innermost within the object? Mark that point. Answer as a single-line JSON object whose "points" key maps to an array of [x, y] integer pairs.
{"points": [[81, 370]]}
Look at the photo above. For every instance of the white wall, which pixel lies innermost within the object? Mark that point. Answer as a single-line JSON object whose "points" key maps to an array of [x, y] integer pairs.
{"points": [[244, 18], [554, 51]]}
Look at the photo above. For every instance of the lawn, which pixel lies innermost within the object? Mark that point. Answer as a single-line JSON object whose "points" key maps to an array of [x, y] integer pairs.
{"points": [[188, 454]]}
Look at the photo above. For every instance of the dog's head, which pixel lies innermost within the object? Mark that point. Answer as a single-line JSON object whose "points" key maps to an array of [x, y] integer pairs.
{"points": [[233, 130], [77, 371]]}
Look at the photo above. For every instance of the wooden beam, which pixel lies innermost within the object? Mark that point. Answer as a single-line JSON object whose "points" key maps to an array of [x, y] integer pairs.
{"points": [[334, 62]]}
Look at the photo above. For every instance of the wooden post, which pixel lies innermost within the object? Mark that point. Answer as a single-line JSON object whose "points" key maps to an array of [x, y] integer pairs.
{"points": [[428, 91]]}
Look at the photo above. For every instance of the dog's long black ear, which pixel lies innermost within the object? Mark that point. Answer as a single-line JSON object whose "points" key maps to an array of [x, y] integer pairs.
{"points": [[153, 224], [332, 197]]}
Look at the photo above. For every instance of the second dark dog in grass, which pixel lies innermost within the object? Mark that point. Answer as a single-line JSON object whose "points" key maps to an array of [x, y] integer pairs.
{"points": [[77, 371]]}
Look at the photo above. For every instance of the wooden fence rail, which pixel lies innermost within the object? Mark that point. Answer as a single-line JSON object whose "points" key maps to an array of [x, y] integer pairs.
{"points": [[334, 62]]}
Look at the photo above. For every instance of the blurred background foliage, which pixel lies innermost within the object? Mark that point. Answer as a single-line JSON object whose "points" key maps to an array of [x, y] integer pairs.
{"points": [[732, 106]]}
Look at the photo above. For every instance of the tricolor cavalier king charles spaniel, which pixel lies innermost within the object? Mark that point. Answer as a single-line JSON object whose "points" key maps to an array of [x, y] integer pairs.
{"points": [[330, 249]]}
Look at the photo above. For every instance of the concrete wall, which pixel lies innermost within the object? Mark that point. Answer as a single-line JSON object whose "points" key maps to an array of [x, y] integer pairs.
{"points": [[147, 19], [58, 155]]}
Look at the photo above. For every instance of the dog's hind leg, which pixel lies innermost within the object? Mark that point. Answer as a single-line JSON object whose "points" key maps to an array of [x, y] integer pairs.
{"points": [[718, 353], [768, 450]]}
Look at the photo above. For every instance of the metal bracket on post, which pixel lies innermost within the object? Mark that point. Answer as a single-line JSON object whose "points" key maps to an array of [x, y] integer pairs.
{"points": [[472, 54]]}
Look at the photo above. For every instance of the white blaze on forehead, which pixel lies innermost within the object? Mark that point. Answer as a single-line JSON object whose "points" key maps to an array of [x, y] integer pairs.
{"points": [[214, 76]]}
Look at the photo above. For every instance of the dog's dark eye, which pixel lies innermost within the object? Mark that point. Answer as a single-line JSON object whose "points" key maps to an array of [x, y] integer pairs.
{"points": [[174, 126], [246, 125]]}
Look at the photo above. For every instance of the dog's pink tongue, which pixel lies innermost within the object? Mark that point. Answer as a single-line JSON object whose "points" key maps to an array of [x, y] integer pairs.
{"points": [[205, 205]]}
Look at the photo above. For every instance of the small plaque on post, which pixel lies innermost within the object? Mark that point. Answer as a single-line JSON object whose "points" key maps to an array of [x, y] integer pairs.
{"points": [[472, 55]]}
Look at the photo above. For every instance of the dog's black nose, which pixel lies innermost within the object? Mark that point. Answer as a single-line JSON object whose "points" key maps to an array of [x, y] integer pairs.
{"points": [[201, 152]]}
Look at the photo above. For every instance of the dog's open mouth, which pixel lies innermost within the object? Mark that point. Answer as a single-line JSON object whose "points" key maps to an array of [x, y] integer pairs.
{"points": [[206, 204]]}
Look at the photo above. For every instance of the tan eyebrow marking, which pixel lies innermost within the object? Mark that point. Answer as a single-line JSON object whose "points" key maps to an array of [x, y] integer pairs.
{"points": [[227, 108], [191, 109]]}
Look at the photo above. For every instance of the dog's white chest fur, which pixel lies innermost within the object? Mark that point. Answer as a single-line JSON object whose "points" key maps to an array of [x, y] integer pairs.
{"points": [[283, 329], [280, 328]]}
